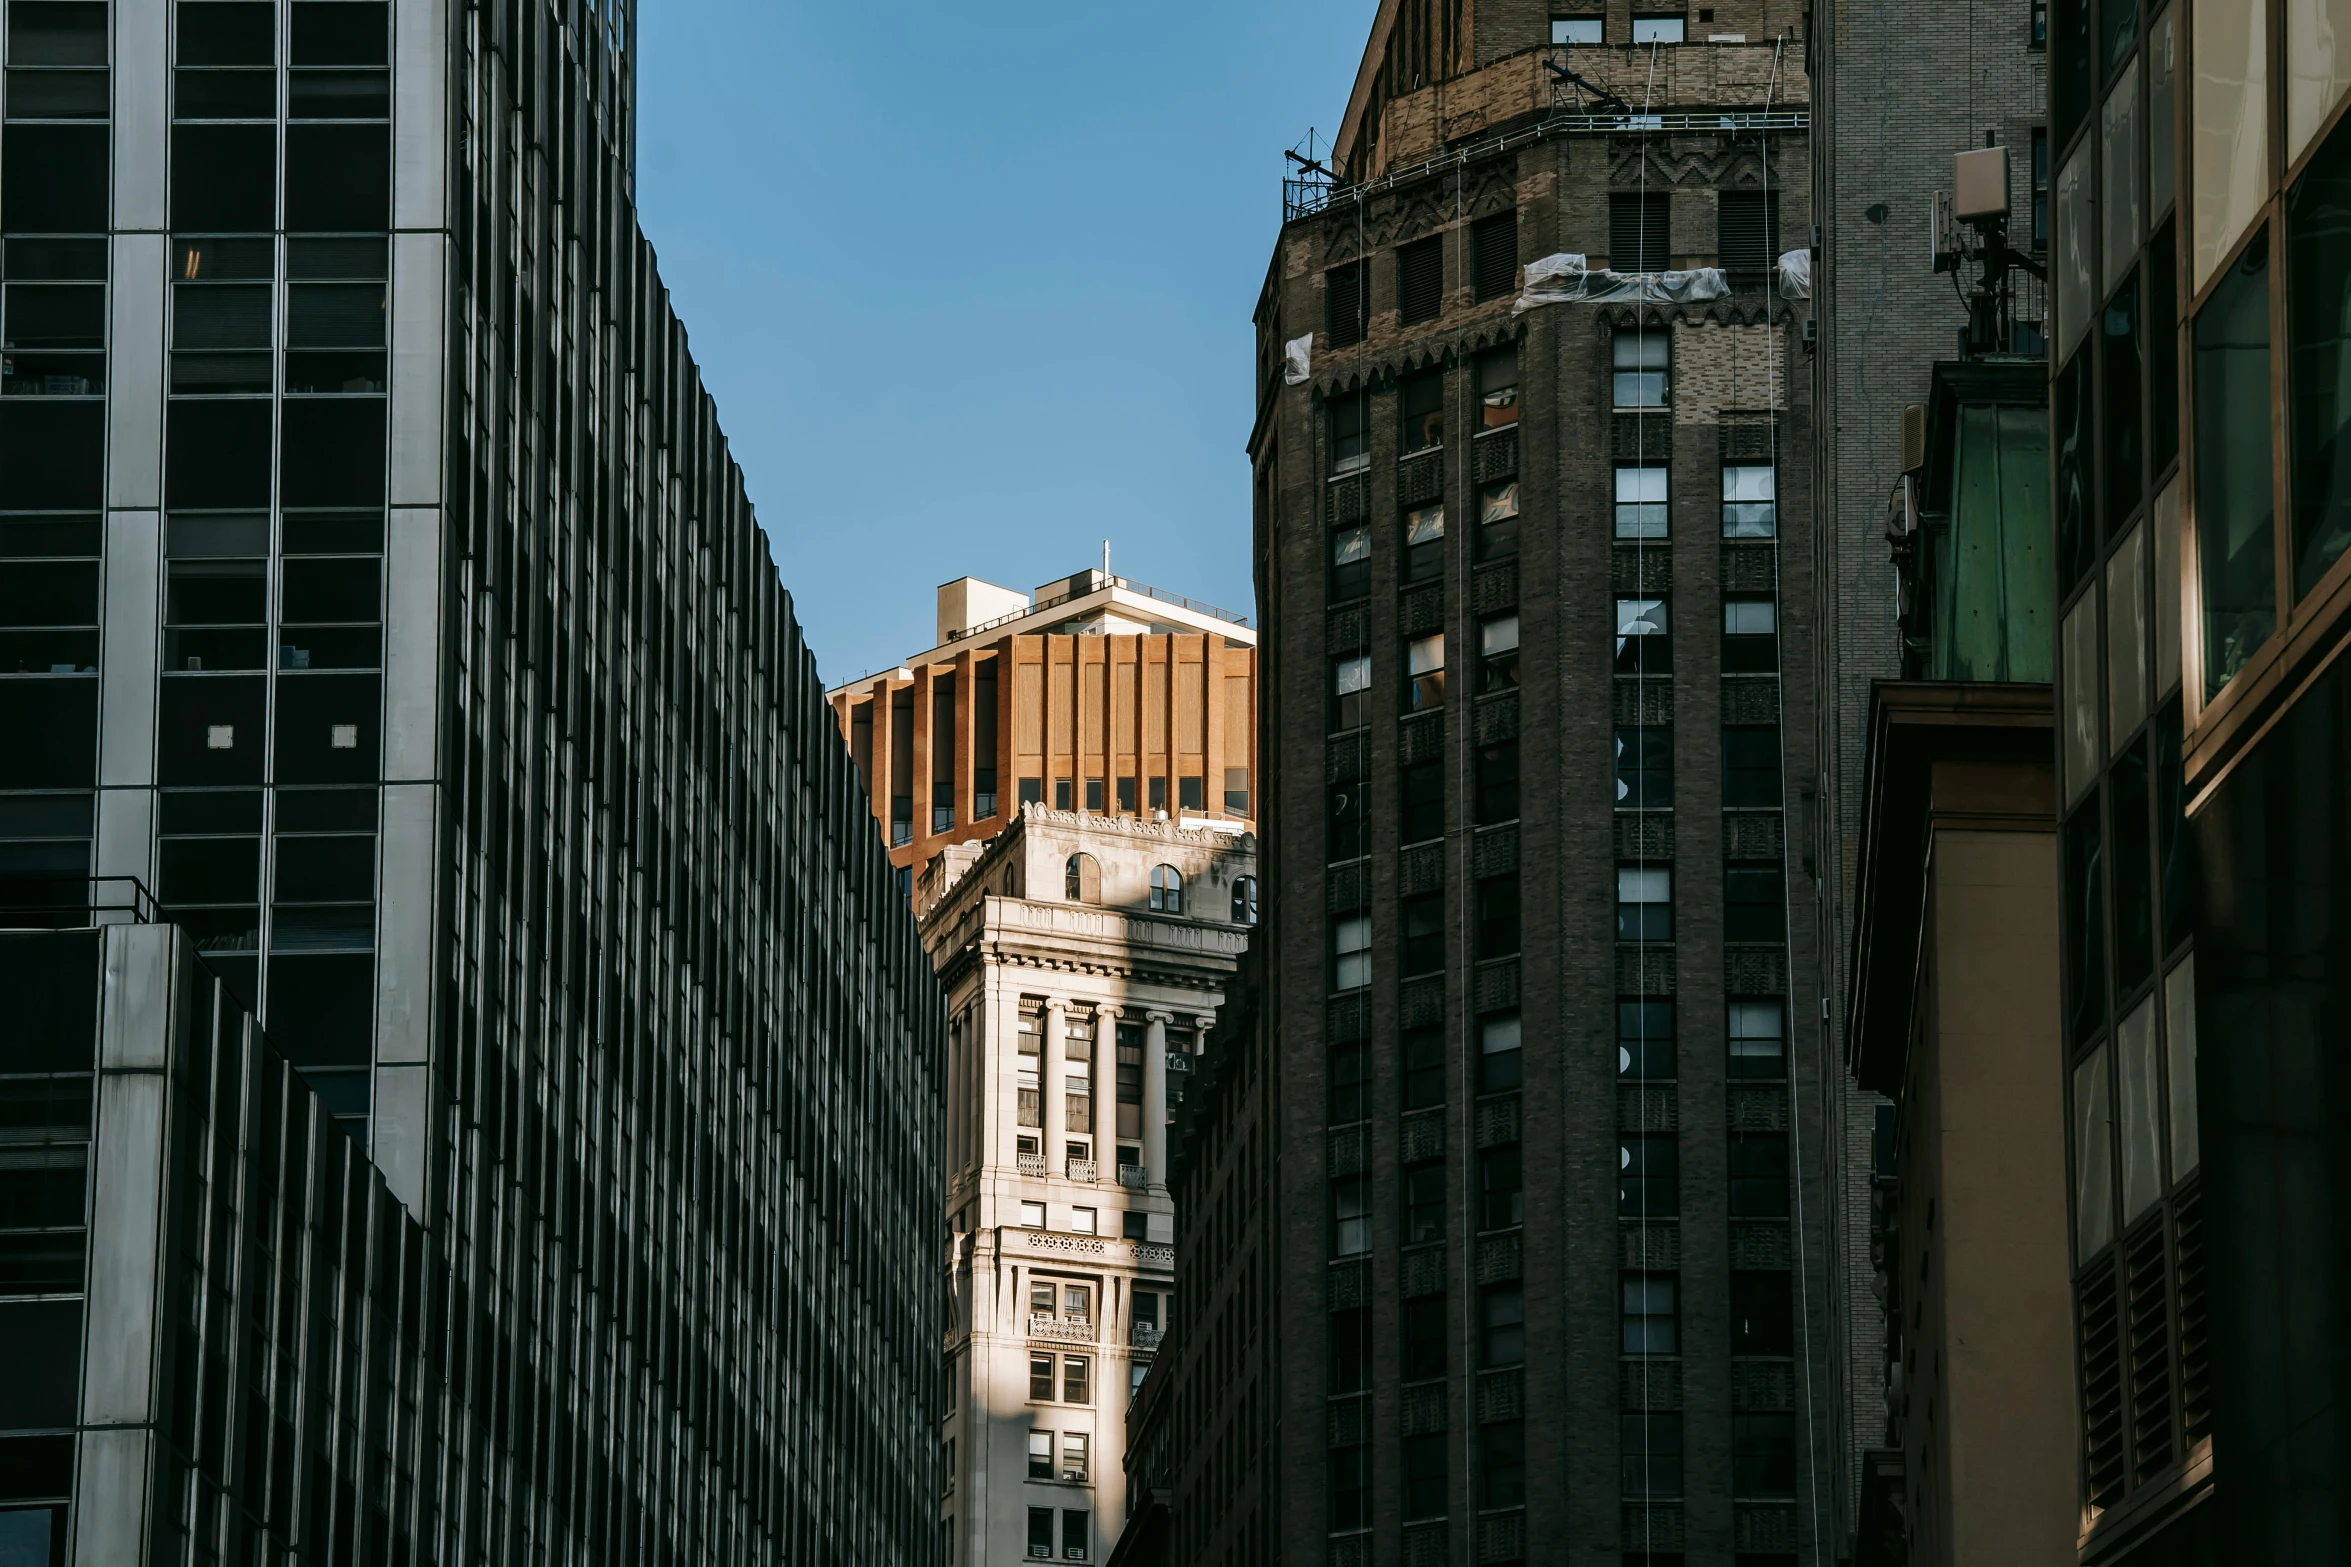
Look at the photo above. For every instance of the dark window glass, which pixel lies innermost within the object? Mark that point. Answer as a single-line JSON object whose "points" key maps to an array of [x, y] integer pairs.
{"points": [[240, 33], [1762, 1321], [2077, 541], [1424, 1339], [2069, 67], [1501, 1188], [1424, 1202], [1346, 304], [1644, 769], [1751, 765], [1351, 562], [1493, 248], [1424, 801], [1188, 793], [1498, 388], [334, 452], [1420, 278], [330, 590], [224, 178], [2163, 349], [56, 315], [1498, 505], [1502, 1464], [2134, 870], [2085, 921], [1758, 1041], [1423, 949], [1498, 916], [341, 32], [1424, 1476], [339, 95], [2118, 25], [1755, 903], [56, 32], [1350, 1332], [216, 453], [2174, 847], [224, 95], [1747, 230], [328, 728], [1041, 1378], [1639, 231], [1041, 1522], [53, 725], [1644, 645], [48, 593], [1750, 635], [210, 870], [1424, 542], [1424, 1066], [44, 1383], [53, 179], [1763, 1456], [1350, 1487], [2318, 238], [1759, 1175], [2234, 503], [53, 453], [1644, 1039], [1500, 1057], [1650, 1320], [1350, 1216], [210, 730], [1648, 1177], [321, 1007], [338, 179], [1644, 903], [1497, 782], [1420, 403], [1348, 822], [51, 981], [2120, 385], [1032, 791], [1649, 1445], [1350, 419], [1502, 1317]]}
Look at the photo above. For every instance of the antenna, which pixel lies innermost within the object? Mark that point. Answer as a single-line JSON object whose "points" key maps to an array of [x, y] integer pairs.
{"points": [[1308, 187], [1978, 201]]}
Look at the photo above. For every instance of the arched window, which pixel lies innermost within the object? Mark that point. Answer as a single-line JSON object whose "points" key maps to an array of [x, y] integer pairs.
{"points": [[1245, 900], [1167, 890], [1084, 881]]}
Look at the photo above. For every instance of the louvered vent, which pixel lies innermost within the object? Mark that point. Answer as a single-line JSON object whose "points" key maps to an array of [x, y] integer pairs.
{"points": [[2103, 1448], [1345, 302], [1420, 278], [1639, 231], [2150, 1349], [1747, 230], [2195, 1338], [1493, 244]]}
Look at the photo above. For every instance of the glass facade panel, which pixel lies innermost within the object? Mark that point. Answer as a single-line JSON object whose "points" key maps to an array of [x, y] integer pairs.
{"points": [[2093, 1157], [2167, 588], [2318, 66], [2119, 149], [2228, 153], [2163, 108], [2075, 289], [2235, 500], [2141, 1112], [2179, 1025], [2081, 737], [2126, 636], [2318, 337]]}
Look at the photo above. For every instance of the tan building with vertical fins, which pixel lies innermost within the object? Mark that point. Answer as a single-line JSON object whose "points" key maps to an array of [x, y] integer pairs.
{"points": [[1095, 694]]}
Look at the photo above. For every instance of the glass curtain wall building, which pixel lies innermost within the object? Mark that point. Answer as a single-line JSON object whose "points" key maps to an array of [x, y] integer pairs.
{"points": [[2203, 182], [376, 587]]}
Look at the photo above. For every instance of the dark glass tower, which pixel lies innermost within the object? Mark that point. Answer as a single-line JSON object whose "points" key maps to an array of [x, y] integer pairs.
{"points": [[377, 590]]}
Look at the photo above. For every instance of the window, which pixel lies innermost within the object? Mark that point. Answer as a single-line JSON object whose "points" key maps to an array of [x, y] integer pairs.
{"points": [[1081, 1220], [1424, 672], [2037, 32], [1347, 304], [1644, 769], [1497, 782], [2318, 333], [1643, 643], [1499, 1059], [1755, 903], [1244, 900], [1641, 506], [1759, 1175], [1094, 795], [1493, 249], [1126, 797], [1347, 824], [1075, 1386], [1061, 794], [1351, 562], [1134, 1225], [1032, 1215], [1750, 509], [1651, 1324], [2040, 234], [1502, 1464], [1041, 1531], [1082, 879], [1648, 1177], [1659, 30], [2121, 380], [1424, 934], [1639, 230], [1644, 1040], [1424, 543], [1498, 653], [1502, 1318], [1420, 403], [1498, 388], [1576, 30], [1350, 425], [1351, 952], [1644, 903], [1750, 636], [1350, 1483], [1758, 1048], [1190, 792], [1501, 1188], [1041, 1449], [1420, 279], [1350, 1085], [1041, 1369], [1761, 1321], [1641, 367], [1498, 916], [1424, 1339], [1747, 230], [1167, 890], [1498, 520], [1751, 765], [1074, 1533], [1236, 791], [1074, 1465], [1424, 1066], [1351, 691], [1156, 790], [1763, 1456], [1424, 1202], [1350, 1341], [1424, 1476], [1424, 801], [1649, 1447], [1350, 1216]]}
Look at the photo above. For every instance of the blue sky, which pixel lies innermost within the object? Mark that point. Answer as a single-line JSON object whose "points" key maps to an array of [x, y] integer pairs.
{"points": [[973, 285]]}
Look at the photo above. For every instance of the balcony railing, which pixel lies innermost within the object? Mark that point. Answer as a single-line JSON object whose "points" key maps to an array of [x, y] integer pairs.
{"points": [[1148, 1334], [1134, 1175], [1060, 1330], [1029, 1163], [1082, 1170]]}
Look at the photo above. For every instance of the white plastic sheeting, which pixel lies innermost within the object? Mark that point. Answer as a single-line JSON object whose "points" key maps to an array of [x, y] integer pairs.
{"points": [[1795, 274], [1566, 280], [1298, 360]]}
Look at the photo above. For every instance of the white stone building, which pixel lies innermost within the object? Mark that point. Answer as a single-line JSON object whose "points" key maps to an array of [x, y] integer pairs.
{"points": [[1083, 959]]}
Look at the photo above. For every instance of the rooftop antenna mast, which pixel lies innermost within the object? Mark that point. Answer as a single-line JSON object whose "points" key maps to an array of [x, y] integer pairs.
{"points": [[1309, 189], [1971, 224]]}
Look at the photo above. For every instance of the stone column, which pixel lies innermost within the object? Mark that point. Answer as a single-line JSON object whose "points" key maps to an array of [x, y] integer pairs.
{"points": [[1052, 1083], [1155, 1100], [1105, 1071]]}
